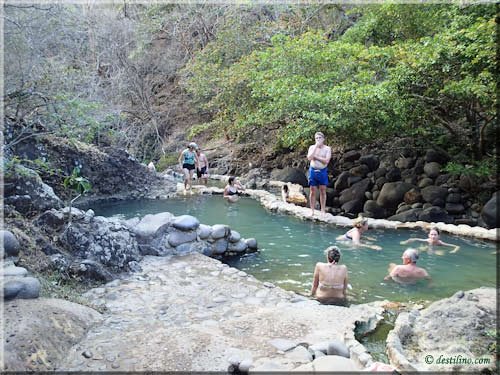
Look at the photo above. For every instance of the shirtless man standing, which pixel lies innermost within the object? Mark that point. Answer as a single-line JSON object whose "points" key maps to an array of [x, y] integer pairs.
{"points": [[202, 166], [319, 156], [408, 272]]}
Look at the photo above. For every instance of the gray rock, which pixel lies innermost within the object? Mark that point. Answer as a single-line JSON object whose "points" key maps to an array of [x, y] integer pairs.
{"points": [[409, 215], [288, 174], [220, 246], [134, 266], [404, 163], [283, 344], [219, 231], [234, 236], [186, 223], [177, 238], [14, 271], [489, 212], [299, 354], [10, 244], [52, 218], [320, 347], [25, 287], [431, 193], [360, 171], [252, 243], [371, 161], [432, 169], [28, 183], [393, 175], [392, 194], [454, 208], [424, 182], [341, 182], [436, 156], [149, 224], [337, 347], [353, 207], [355, 192], [435, 214], [350, 156], [238, 247], [204, 231]]}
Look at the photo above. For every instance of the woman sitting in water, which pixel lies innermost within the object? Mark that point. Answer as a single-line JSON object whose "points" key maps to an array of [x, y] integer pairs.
{"points": [[433, 240], [360, 225], [232, 190], [330, 279]]}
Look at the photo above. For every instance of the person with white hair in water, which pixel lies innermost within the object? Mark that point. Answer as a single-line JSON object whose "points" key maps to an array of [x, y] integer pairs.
{"points": [[408, 272]]}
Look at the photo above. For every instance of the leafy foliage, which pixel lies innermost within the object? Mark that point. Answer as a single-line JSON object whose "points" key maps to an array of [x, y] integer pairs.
{"points": [[76, 182], [422, 71]]}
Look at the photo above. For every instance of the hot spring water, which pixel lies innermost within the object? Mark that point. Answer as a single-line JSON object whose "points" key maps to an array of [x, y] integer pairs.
{"points": [[290, 247]]}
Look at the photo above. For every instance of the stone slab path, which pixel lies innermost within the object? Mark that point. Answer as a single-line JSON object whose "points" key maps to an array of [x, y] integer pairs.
{"points": [[194, 313]]}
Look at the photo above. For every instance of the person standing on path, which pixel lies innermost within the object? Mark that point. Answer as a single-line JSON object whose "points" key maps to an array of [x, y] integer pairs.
{"points": [[319, 156], [202, 166], [188, 161]]}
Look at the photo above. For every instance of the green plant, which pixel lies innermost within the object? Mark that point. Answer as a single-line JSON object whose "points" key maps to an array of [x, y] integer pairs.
{"points": [[482, 168], [166, 161], [75, 184]]}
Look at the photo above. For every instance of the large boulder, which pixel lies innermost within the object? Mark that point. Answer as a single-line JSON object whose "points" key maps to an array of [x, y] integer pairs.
{"points": [[341, 182], [21, 287], [186, 223], [103, 240], [288, 174], [432, 169], [489, 213], [10, 243], [435, 214], [371, 161], [432, 193], [41, 332], [448, 328], [372, 209], [355, 192], [392, 194], [432, 155], [149, 224], [409, 215], [25, 182]]}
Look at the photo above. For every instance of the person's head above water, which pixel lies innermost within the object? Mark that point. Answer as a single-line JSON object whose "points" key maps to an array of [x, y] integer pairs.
{"points": [[230, 180], [332, 254], [434, 234], [360, 222], [411, 254]]}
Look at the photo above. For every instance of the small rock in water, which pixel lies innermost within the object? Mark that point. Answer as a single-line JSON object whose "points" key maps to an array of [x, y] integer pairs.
{"points": [[269, 285], [87, 354]]}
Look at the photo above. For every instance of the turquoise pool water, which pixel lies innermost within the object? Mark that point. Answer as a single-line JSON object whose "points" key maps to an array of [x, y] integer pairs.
{"points": [[290, 248]]}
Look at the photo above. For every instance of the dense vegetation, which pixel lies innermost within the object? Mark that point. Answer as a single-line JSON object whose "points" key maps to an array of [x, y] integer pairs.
{"points": [[425, 71], [127, 75]]}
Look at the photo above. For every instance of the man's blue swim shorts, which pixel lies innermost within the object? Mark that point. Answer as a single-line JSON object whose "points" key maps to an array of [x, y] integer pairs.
{"points": [[318, 177]]}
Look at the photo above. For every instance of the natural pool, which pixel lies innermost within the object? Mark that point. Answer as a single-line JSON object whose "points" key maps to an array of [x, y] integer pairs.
{"points": [[290, 247]]}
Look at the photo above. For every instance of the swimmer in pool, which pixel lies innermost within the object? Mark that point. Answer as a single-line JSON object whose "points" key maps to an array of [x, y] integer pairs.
{"points": [[360, 225], [408, 272], [433, 240], [232, 190], [330, 279]]}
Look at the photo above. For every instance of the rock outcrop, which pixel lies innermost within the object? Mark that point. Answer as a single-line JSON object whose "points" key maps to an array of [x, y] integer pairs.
{"points": [[39, 333], [447, 334]]}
